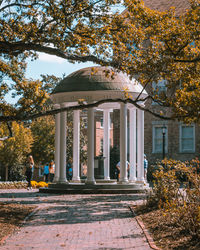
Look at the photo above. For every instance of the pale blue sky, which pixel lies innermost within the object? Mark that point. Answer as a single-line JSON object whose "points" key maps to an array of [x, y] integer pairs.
{"points": [[52, 65]]}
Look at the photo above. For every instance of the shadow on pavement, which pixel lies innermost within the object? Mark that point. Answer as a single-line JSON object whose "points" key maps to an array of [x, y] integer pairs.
{"points": [[73, 209], [84, 210]]}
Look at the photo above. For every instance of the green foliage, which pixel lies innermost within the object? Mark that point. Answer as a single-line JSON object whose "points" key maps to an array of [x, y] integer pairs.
{"points": [[43, 131], [69, 141], [13, 184], [16, 173], [83, 139], [83, 142], [14, 150]]}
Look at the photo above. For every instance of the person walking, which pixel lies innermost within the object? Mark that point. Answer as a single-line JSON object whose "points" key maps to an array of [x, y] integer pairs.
{"points": [[51, 171], [46, 173], [29, 170], [145, 167]]}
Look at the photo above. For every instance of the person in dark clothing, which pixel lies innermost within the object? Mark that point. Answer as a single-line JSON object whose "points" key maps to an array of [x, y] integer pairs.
{"points": [[46, 173], [117, 171], [51, 171], [69, 170], [29, 170]]}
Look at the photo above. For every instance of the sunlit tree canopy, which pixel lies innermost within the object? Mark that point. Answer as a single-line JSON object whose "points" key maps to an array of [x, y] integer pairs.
{"points": [[142, 42]]}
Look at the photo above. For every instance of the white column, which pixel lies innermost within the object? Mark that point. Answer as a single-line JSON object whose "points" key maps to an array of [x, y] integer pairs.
{"points": [[106, 143], [140, 152], [76, 145], [90, 131], [62, 178], [123, 143], [57, 147], [132, 141]]}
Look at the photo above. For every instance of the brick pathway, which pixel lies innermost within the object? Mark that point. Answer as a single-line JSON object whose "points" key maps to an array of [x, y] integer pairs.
{"points": [[76, 222]]}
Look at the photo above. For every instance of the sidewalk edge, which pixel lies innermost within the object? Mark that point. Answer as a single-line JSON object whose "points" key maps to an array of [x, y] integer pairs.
{"points": [[145, 231]]}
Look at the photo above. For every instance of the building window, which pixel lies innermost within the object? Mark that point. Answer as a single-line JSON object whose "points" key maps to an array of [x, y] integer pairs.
{"points": [[187, 138], [158, 139]]}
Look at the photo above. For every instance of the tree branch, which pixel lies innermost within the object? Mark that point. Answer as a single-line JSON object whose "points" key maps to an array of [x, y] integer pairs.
{"points": [[197, 59], [144, 87], [6, 47], [81, 107], [18, 5]]}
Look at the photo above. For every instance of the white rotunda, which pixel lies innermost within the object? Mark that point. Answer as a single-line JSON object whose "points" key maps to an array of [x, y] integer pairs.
{"points": [[93, 84]]}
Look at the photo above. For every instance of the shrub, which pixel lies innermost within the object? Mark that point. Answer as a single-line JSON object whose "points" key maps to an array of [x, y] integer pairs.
{"points": [[13, 184], [16, 173], [34, 184], [151, 171], [21, 184], [39, 184], [165, 188], [114, 159], [181, 206]]}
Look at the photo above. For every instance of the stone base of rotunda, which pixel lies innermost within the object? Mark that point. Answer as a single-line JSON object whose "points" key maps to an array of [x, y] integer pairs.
{"points": [[98, 188]]}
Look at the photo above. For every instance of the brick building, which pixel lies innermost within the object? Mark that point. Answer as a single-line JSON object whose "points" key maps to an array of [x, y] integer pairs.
{"points": [[181, 141], [99, 126]]}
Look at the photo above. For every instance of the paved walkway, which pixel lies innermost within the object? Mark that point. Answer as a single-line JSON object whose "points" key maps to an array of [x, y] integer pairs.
{"points": [[76, 222]]}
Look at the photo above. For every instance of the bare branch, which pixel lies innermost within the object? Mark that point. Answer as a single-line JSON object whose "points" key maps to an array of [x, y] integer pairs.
{"points": [[19, 47], [197, 59], [144, 87], [19, 5]]}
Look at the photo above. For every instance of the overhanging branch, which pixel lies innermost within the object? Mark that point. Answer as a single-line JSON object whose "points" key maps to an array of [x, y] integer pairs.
{"points": [[194, 60], [20, 47], [81, 107]]}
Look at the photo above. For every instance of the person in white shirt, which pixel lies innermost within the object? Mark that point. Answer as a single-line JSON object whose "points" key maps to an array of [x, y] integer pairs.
{"points": [[145, 167], [117, 167]]}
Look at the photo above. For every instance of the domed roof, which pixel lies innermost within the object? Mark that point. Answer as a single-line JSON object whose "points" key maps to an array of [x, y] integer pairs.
{"points": [[96, 79]]}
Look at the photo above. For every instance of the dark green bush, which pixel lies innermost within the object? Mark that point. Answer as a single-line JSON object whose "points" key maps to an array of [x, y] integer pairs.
{"points": [[16, 173], [114, 159]]}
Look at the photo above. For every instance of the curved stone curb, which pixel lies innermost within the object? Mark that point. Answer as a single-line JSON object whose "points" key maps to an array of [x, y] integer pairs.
{"points": [[146, 233], [31, 214]]}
